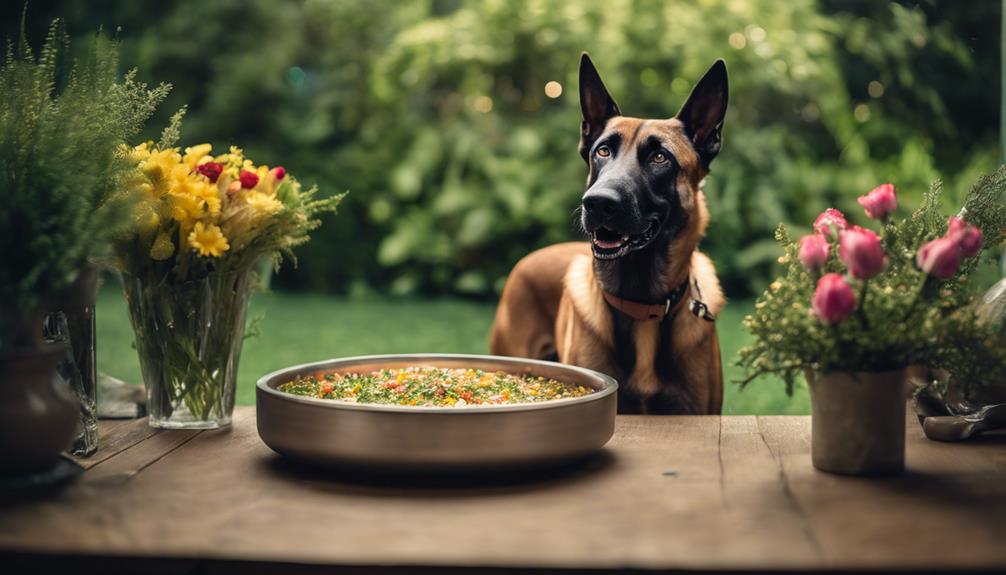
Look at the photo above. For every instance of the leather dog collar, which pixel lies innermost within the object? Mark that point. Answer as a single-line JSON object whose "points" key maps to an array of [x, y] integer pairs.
{"points": [[647, 311]]}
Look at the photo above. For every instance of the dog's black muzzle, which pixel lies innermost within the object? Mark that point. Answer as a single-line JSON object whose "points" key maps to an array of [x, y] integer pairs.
{"points": [[614, 224]]}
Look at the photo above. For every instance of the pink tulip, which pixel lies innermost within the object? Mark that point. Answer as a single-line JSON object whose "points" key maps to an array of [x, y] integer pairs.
{"points": [[880, 202], [955, 226], [940, 257], [968, 237], [814, 252], [970, 242], [830, 218], [833, 299], [860, 250]]}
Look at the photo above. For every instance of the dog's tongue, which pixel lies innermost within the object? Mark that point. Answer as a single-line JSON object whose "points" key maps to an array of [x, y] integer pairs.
{"points": [[609, 240], [609, 244]]}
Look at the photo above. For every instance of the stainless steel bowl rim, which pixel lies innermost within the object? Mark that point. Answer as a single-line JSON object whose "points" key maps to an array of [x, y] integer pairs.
{"points": [[610, 385]]}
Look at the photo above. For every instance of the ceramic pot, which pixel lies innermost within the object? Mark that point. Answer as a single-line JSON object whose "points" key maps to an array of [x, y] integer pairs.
{"points": [[38, 413], [858, 422]]}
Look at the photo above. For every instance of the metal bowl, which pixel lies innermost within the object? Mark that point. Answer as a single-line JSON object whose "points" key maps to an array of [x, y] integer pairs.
{"points": [[436, 438]]}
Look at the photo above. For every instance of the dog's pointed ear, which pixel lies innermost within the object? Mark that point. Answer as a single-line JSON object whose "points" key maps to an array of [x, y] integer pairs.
{"points": [[703, 112], [596, 105]]}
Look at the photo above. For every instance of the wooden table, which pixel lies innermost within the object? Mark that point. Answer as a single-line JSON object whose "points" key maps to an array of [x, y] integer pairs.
{"points": [[668, 493]]}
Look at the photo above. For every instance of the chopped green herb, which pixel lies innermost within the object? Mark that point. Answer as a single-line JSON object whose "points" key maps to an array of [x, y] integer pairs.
{"points": [[432, 386]]}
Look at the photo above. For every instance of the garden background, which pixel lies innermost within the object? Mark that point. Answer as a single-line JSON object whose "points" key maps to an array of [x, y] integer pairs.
{"points": [[434, 114]]}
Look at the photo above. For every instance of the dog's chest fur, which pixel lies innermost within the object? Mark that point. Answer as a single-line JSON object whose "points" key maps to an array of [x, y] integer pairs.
{"points": [[644, 356], [641, 355]]}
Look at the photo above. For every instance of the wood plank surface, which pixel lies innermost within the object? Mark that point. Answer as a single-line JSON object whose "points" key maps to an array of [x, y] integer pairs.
{"points": [[947, 510], [114, 436], [668, 493]]}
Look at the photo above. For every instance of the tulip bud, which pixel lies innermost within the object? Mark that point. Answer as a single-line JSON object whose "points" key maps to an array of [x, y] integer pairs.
{"points": [[970, 242], [829, 219], [955, 226], [833, 299], [248, 179], [880, 202], [939, 258], [969, 238], [814, 252], [861, 252]]}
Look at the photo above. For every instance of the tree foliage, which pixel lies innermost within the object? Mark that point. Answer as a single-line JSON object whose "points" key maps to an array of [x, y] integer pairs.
{"points": [[433, 112]]}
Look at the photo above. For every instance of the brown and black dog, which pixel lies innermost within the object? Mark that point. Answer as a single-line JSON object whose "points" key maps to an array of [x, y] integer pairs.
{"points": [[638, 301]]}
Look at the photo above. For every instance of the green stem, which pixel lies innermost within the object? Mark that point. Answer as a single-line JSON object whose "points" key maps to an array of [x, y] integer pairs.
{"points": [[862, 307]]}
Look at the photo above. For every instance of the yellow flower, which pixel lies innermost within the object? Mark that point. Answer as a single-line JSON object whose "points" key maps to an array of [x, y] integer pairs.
{"points": [[163, 248], [186, 183], [263, 204], [208, 240], [161, 163], [208, 193], [186, 207], [138, 153], [194, 154]]}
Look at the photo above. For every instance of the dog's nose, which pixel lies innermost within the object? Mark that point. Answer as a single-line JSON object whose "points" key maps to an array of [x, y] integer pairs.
{"points": [[603, 202]]}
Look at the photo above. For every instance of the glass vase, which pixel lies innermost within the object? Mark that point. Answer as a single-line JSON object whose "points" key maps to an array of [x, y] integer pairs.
{"points": [[188, 338], [72, 324]]}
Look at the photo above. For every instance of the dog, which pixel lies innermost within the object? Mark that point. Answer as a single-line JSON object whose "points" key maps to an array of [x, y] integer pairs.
{"points": [[638, 301]]}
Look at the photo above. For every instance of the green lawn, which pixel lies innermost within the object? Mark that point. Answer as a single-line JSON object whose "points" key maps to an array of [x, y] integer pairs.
{"points": [[298, 328]]}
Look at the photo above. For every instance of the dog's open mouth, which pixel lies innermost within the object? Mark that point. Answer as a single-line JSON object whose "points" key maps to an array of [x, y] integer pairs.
{"points": [[608, 244]]}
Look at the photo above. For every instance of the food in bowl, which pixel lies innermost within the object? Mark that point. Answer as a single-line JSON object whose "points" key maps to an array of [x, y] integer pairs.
{"points": [[433, 387]]}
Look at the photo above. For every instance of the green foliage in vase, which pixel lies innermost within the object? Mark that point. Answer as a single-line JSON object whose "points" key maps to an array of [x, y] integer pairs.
{"points": [[60, 168], [901, 316]]}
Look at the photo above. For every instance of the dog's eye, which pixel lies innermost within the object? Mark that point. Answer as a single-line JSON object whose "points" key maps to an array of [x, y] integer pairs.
{"points": [[603, 151], [658, 158]]}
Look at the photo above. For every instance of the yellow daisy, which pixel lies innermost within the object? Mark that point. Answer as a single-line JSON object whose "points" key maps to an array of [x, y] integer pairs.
{"points": [[208, 240], [186, 183], [263, 204], [208, 193], [186, 207]]}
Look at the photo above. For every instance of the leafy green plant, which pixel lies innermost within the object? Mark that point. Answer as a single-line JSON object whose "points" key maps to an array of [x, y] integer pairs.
{"points": [[60, 168], [911, 304]]}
